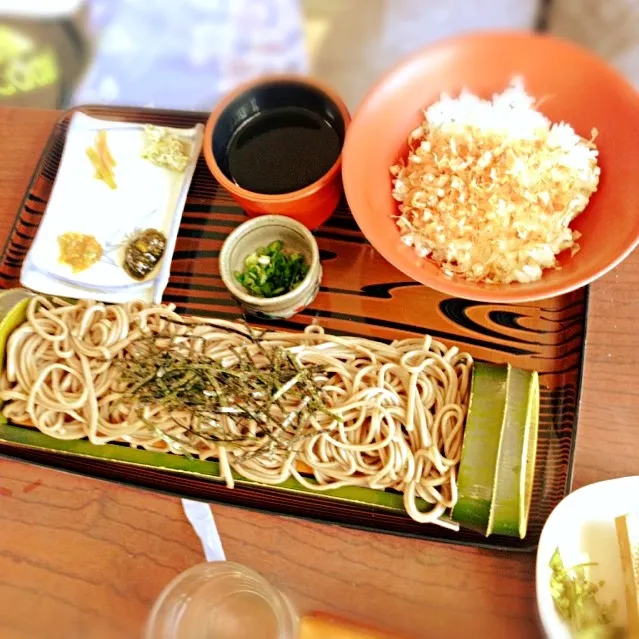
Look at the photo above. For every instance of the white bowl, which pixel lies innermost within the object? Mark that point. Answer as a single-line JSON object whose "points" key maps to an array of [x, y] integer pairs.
{"points": [[582, 526]]}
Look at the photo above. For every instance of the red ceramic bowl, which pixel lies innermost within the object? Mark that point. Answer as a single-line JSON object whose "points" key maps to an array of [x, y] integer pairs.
{"points": [[311, 205], [580, 89]]}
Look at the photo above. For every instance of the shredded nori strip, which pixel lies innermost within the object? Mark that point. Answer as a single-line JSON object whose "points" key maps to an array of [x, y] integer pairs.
{"points": [[158, 373]]}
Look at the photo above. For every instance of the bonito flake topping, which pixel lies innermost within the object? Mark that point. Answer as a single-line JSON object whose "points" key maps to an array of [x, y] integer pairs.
{"points": [[490, 187]]}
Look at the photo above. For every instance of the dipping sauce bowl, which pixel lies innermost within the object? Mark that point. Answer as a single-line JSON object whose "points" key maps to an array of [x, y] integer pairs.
{"points": [[275, 145]]}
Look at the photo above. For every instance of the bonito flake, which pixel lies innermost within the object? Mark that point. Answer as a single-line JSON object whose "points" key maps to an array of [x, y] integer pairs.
{"points": [[490, 187]]}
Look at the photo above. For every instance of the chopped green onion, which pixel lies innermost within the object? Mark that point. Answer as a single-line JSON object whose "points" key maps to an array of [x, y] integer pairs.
{"points": [[272, 271], [575, 599]]}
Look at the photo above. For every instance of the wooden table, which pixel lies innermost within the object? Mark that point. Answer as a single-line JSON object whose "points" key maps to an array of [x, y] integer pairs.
{"points": [[85, 559]]}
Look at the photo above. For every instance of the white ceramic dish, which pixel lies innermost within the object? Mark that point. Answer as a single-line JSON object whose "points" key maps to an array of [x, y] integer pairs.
{"points": [[147, 196], [582, 526]]}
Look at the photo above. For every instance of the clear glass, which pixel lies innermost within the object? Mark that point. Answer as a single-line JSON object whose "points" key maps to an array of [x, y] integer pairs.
{"points": [[221, 600]]}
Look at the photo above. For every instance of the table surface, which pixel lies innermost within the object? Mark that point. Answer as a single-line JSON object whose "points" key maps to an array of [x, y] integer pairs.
{"points": [[82, 558]]}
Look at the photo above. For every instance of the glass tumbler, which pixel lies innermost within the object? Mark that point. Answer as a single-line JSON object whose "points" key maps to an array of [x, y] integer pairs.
{"points": [[221, 600]]}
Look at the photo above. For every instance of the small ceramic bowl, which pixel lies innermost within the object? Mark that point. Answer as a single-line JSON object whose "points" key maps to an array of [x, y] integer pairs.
{"points": [[258, 233], [311, 205]]}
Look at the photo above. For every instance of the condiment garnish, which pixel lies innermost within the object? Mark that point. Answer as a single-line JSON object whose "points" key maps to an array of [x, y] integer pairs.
{"points": [[203, 392], [143, 253], [165, 149], [575, 599], [79, 251], [102, 160], [272, 271]]}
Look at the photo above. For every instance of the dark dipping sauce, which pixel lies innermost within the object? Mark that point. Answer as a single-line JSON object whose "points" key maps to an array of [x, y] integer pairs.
{"points": [[282, 150]]}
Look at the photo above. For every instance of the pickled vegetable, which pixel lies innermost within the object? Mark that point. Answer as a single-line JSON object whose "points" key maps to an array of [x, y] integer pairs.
{"points": [[143, 253], [102, 160]]}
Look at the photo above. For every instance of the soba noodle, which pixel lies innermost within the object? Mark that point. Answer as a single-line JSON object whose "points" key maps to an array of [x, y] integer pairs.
{"points": [[395, 412]]}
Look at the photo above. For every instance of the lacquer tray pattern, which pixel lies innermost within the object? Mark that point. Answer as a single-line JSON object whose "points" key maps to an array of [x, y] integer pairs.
{"points": [[361, 294]]}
